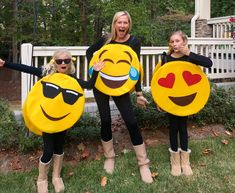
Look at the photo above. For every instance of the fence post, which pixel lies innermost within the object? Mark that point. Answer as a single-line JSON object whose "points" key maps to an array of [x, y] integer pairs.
{"points": [[26, 58]]}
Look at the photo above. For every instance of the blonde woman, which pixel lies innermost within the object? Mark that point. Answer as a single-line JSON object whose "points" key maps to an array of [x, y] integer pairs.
{"points": [[120, 34]]}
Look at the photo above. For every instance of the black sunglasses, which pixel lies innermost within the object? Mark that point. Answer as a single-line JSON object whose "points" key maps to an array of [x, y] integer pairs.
{"points": [[60, 61], [51, 90]]}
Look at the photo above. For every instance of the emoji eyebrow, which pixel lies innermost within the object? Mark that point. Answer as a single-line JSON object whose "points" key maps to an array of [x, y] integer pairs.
{"points": [[124, 61], [128, 55], [102, 53], [52, 85], [108, 60]]}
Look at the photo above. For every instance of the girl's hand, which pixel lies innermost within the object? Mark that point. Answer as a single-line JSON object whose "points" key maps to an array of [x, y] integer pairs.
{"points": [[2, 62], [98, 65], [184, 50]]}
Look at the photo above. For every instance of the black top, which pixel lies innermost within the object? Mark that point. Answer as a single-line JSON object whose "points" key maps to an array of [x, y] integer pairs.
{"points": [[133, 42], [193, 58], [38, 72]]}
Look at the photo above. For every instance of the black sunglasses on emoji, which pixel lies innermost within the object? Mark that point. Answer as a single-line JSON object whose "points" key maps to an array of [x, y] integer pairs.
{"points": [[51, 90], [60, 61]]}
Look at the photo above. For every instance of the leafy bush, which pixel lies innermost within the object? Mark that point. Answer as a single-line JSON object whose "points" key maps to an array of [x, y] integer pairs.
{"points": [[14, 134], [8, 126], [220, 108], [149, 117], [87, 128]]}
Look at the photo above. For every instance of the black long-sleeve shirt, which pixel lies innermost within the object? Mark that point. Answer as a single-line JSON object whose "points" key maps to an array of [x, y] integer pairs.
{"points": [[193, 58], [133, 42], [38, 72]]}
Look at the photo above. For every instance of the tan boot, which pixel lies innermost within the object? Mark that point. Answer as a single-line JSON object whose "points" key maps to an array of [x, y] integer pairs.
{"points": [[56, 179], [143, 162], [175, 162], [109, 154], [185, 164], [42, 183]]}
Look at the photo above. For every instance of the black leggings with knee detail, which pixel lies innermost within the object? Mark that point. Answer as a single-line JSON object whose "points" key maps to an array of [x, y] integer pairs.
{"points": [[53, 144], [124, 106], [178, 125]]}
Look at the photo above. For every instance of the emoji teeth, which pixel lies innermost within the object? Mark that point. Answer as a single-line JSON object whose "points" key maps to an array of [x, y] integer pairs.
{"points": [[114, 78]]}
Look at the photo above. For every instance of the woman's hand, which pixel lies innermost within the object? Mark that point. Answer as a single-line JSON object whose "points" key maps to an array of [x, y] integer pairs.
{"points": [[98, 65], [2, 62], [141, 100]]}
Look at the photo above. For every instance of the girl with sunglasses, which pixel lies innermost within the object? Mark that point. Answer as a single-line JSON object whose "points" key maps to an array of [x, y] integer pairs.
{"points": [[54, 142]]}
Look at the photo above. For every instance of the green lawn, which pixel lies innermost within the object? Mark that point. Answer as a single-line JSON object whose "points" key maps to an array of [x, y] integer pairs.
{"points": [[213, 173]]}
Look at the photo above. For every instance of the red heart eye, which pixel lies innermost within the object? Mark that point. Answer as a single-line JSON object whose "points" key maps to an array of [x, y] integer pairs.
{"points": [[167, 82], [190, 78]]}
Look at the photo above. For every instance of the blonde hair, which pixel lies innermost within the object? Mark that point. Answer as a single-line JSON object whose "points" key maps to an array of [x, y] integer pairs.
{"points": [[182, 35], [50, 67], [113, 34]]}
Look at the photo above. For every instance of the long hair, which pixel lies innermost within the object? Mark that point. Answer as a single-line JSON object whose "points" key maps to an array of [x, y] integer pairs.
{"points": [[50, 67], [113, 34], [182, 35]]}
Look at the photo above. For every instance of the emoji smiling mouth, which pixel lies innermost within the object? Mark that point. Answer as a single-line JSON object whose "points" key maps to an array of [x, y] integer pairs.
{"points": [[113, 81], [183, 101], [53, 118]]}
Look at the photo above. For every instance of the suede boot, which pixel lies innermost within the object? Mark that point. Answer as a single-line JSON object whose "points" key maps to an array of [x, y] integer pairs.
{"points": [[185, 164], [143, 162], [175, 162], [56, 179], [42, 182], [110, 155]]}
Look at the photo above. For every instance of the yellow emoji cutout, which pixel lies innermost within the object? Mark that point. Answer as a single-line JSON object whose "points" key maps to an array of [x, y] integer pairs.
{"points": [[54, 104], [121, 72], [180, 88]]}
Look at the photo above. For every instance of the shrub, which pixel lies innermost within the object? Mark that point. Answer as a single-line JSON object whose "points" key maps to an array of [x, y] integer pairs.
{"points": [[220, 108], [149, 117], [8, 126], [87, 128]]}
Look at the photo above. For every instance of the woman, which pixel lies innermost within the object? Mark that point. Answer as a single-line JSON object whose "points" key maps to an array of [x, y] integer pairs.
{"points": [[54, 142], [120, 34]]}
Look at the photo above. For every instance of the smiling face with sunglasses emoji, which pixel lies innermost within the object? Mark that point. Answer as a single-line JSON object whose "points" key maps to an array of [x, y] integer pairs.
{"points": [[54, 104]]}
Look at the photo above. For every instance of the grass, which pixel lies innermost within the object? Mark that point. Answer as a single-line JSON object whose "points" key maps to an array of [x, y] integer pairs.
{"points": [[214, 172]]}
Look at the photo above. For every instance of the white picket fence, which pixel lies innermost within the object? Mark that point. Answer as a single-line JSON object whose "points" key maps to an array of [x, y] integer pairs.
{"points": [[220, 50]]}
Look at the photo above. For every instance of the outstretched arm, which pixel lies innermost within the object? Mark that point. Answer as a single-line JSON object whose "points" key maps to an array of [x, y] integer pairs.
{"points": [[22, 68], [90, 84]]}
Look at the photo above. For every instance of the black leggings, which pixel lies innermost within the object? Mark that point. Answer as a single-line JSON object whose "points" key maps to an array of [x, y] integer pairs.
{"points": [[53, 144], [178, 125], [124, 106]]}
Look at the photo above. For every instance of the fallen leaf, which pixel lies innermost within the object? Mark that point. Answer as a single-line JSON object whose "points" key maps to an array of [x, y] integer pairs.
{"points": [[228, 133], [206, 151], [103, 181], [85, 154], [224, 141], [214, 133], [203, 164], [97, 157], [81, 147], [70, 174], [154, 174], [125, 151]]}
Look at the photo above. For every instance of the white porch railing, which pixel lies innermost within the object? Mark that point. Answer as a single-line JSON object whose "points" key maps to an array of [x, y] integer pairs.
{"points": [[220, 50], [223, 27]]}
